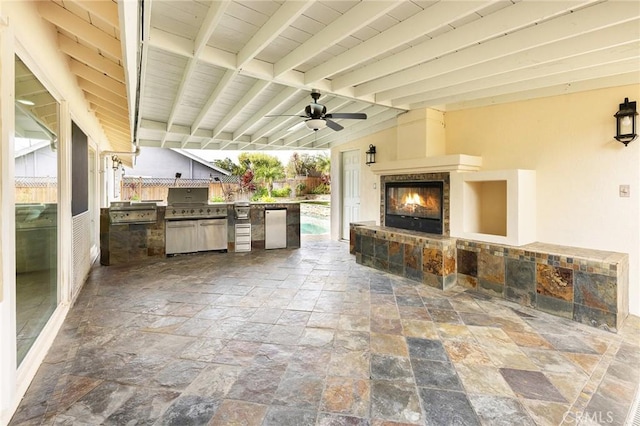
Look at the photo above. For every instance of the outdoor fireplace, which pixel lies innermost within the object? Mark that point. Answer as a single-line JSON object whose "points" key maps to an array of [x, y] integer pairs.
{"points": [[416, 206]]}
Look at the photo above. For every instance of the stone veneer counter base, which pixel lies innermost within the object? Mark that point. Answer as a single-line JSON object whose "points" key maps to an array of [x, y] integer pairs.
{"points": [[587, 286]]}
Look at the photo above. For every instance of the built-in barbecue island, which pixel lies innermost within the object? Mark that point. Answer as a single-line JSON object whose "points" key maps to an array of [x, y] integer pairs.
{"points": [[131, 231]]}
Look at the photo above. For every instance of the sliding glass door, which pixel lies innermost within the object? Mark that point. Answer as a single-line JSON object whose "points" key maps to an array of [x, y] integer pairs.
{"points": [[36, 182]]}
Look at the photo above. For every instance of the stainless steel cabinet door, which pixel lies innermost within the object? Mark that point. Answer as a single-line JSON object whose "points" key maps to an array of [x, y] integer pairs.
{"points": [[275, 229], [212, 234], [181, 236]]}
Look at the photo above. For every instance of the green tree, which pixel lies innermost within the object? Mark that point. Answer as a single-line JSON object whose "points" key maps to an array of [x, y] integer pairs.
{"points": [[268, 173], [265, 167], [229, 165], [323, 164]]}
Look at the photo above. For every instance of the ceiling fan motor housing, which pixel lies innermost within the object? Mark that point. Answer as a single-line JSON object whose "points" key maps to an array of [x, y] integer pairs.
{"points": [[315, 110]]}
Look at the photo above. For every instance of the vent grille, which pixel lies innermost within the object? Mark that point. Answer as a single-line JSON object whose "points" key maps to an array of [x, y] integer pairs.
{"points": [[81, 251], [634, 416]]}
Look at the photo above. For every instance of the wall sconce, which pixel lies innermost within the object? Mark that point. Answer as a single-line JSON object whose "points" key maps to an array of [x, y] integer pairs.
{"points": [[371, 155], [626, 122], [117, 163]]}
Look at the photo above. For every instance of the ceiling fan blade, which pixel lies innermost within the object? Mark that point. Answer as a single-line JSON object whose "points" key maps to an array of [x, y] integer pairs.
{"points": [[287, 115], [349, 115], [333, 125]]}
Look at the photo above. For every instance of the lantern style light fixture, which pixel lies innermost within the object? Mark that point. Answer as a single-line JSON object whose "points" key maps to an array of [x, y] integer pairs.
{"points": [[370, 155], [626, 122], [116, 162]]}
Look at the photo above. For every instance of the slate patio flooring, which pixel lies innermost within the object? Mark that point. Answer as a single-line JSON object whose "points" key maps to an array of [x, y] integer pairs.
{"points": [[309, 337]]}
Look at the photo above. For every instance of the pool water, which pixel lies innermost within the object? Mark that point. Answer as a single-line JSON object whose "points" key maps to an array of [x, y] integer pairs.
{"points": [[313, 226]]}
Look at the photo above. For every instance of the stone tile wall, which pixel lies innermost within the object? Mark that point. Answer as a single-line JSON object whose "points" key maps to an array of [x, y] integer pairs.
{"points": [[133, 242], [430, 261], [587, 286], [130, 242]]}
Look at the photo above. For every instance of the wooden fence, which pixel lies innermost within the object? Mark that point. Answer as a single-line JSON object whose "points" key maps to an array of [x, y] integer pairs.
{"points": [[144, 189], [36, 190]]}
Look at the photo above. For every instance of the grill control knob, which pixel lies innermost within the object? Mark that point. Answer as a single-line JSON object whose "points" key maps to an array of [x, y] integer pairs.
{"points": [[201, 210], [173, 212], [183, 211], [191, 210]]}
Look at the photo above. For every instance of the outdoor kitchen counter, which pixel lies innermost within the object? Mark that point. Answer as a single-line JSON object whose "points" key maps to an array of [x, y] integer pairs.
{"points": [[132, 242]]}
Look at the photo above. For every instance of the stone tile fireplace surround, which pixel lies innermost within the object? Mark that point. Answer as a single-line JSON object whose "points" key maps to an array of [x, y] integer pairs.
{"points": [[587, 286]]}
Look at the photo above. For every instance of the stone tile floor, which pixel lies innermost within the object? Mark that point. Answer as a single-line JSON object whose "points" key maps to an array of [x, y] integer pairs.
{"points": [[307, 336]]}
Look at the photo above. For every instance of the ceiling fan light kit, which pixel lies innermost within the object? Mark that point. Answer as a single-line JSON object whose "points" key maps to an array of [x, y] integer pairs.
{"points": [[316, 123]]}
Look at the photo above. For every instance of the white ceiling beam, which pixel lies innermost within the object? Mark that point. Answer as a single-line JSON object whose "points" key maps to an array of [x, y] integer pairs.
{"points": [[212, 19], [277, 23], [354, 19], [377, 121], [274, 103], [224, 83], [158, 127], [571, 77], [106, 10], [277, 122], [430, 19], [91, 57], [257, 88], [632, 77], [82, 70], [494, 25], [253, 68], [562, 28], [144, 54], [80, 28], [603, 40]]}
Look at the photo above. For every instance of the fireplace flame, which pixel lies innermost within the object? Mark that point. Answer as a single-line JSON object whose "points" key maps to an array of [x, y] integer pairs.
{"points": [[413, 199]]}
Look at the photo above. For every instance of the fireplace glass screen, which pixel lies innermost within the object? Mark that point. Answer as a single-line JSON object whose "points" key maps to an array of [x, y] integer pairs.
{"points": [[416, 201], [415, 206]]}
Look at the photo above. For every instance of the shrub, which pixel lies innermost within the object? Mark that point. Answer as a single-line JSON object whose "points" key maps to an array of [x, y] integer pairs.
{"points": [[259, 193], [217, 199], [281, 192], [301, 188], [323, 188]]}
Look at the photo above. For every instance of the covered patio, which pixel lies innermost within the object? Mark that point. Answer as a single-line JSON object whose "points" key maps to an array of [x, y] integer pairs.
{"points": [[307, 336]]}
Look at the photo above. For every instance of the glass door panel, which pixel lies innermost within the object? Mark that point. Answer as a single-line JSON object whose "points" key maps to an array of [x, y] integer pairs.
{"points": [[36, 183]]}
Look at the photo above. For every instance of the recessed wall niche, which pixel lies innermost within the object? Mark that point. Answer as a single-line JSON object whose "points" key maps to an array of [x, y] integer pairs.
{"points": [[497, 206]]}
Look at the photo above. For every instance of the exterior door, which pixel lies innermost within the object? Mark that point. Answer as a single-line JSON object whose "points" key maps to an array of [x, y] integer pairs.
{"points": [[350, 190]]}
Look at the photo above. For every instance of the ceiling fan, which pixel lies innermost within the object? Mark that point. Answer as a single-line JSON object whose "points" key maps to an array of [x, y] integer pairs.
{"points": [[317, 117]]}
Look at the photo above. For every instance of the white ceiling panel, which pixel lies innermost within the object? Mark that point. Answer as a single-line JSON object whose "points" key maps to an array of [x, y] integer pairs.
{"points": [[263, 58]]}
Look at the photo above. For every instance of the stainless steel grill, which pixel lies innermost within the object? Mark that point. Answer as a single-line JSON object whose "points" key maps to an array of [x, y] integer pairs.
{"points": [[121, 212], [192, 203], [192, 224]]}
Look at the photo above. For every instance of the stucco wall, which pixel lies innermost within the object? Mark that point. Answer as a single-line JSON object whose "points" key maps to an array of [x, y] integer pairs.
{"points": [[568, 141], [385, 143]]}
